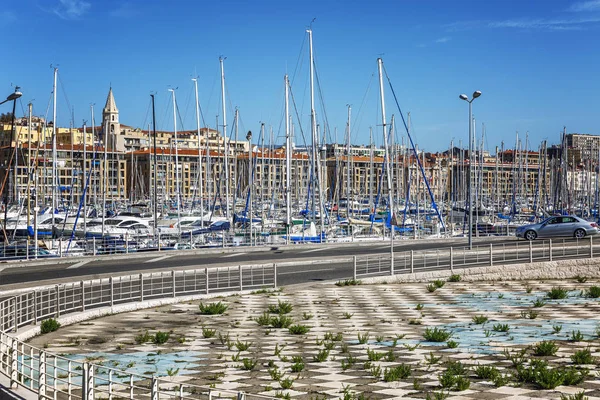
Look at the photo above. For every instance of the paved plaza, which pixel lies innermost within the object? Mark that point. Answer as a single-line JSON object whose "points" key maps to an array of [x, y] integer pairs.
{"points": [[357, 336]]}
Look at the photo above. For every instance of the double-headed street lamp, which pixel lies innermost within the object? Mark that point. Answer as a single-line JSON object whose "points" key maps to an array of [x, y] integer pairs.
{"points": [[464, 97]]}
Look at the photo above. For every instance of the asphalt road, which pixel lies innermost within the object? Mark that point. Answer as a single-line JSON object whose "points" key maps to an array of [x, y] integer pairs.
{"points": [[309, 257]]}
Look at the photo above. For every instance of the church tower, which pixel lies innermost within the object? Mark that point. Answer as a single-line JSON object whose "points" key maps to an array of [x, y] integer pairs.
{"points": [[110, 121]]}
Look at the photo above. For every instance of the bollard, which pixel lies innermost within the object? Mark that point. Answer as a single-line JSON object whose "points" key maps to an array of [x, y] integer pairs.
{"points": [[274, 275], [126, 243], [241, 276], [550, 249], [354, 268], [412, 261], [491, 255], [591, 248], [60, 247], [452, 259], [94, 246]]}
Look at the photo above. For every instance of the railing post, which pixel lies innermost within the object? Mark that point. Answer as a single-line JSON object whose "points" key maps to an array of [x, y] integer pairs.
{"points": [[141, 287], [550, 249], [173, 282], [452, 259], [206, 278], [530, 251], [15, 315], [154, 389], [58, 300], [274, 275], [42, 376], [412, 261], [392, 254], [14, 367], [131, 387], [241, 284], [87, 382], [35, 307], [241, 396], [112, 291], [82, 284], [354, 268], [491, 255]]}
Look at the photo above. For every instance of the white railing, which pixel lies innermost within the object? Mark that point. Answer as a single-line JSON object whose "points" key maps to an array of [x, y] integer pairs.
{"points": [[52, 376], [491, 254]]}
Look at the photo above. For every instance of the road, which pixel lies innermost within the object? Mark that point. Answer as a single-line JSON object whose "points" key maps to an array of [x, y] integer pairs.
{"points": [[311, 257]]}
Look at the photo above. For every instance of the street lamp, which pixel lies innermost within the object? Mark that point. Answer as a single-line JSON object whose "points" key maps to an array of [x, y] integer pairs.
{"points": [[464, 97], [11, 97]]}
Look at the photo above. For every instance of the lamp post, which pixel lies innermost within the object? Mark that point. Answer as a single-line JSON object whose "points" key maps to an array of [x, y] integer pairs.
{"points": [[464, 97], [11, 97]]}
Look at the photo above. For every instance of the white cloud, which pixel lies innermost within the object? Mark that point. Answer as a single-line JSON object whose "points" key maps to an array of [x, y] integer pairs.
{"points": [[71, 9], [549, 24], [444, 39], [590, 5]]}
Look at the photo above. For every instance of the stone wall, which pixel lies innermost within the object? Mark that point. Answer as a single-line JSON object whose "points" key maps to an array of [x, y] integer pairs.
{"points": [[539, 270]]}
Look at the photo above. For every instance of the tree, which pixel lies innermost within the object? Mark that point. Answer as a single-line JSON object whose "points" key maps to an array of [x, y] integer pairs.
{"points": [[6, 118]]}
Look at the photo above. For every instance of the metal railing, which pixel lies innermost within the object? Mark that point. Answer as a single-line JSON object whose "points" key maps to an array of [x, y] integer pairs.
{"points": [[52, 376], [478, 256]]}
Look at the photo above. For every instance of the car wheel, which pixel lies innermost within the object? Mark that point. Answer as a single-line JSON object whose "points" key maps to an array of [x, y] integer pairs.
{"points": [[579, 234], [530, 235]]}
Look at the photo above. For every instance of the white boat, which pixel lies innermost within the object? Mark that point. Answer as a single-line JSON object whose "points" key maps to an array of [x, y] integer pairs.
{"points": [[117, 227]]}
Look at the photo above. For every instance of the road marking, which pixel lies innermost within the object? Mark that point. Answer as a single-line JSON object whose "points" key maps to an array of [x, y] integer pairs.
{"points": [[79, 264], [313, 250], [305, 271], [158, 259], [234, 255]]}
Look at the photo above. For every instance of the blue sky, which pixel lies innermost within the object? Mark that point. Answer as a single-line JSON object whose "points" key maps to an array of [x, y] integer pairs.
{"points": [[535, 61]]}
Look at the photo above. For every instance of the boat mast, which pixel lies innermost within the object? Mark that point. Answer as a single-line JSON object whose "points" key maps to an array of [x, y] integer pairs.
{"points": [[371, 170], [315, 140], [385, 140], [29, 165], [348, 209], [177, 194], [226, 144], [288, 162], [104, 174], [199, 182], [235, 158], [154, 188], [93, 160], [83, 170], [54, 178]]}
